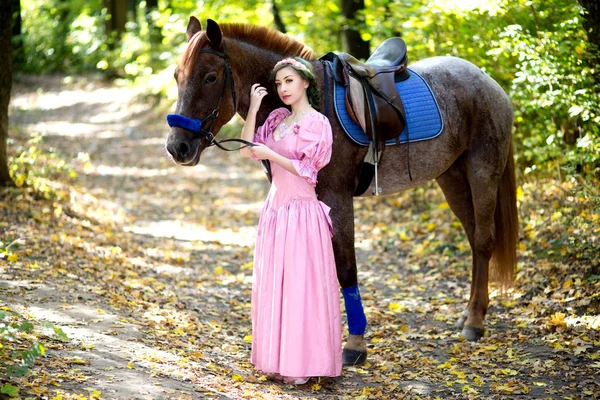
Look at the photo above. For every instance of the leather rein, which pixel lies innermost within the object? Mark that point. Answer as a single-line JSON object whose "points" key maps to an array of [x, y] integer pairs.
{"points": [[196, 125]]}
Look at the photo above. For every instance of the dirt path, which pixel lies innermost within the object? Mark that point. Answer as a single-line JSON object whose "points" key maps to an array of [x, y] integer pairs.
{"points": [[147, 268]]}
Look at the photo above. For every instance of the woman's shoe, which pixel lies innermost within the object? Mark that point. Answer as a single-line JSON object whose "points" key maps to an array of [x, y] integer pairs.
{"points": [[296, 380]]}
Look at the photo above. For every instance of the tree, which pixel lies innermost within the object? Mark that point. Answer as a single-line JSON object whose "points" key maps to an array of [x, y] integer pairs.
{"points": [[591, 23], [277, 17], [117, 9], [352, 41], [6, 19], [18, 49]]}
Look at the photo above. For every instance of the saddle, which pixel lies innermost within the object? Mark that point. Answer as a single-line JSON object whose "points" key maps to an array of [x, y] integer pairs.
{"points": [[371, 97]]}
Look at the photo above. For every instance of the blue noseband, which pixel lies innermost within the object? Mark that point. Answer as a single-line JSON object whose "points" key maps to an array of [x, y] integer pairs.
{"points": [[176, 120]]}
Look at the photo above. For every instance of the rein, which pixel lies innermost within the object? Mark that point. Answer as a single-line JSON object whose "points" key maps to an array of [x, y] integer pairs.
{"points": [[195, 125]]}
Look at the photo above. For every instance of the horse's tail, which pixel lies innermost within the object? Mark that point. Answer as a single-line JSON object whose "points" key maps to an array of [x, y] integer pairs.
{"points": [[504, 255]]}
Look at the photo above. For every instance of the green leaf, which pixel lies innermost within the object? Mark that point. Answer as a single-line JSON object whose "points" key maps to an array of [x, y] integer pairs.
{"points": [[10, 390], [26, 327], [60, 334]]}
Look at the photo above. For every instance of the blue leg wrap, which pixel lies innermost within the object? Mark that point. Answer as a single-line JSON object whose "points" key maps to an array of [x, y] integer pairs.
{"points": [[357, 321]]}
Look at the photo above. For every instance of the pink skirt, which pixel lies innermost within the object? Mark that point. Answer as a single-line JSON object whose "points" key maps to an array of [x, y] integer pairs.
{"points": [[296, 327]]}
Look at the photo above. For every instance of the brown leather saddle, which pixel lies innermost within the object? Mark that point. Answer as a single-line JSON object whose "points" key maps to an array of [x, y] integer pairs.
{"points": [[372, 99]]}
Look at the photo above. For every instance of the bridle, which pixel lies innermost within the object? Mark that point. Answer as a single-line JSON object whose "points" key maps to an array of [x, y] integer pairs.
{"points": [[196, 125]]}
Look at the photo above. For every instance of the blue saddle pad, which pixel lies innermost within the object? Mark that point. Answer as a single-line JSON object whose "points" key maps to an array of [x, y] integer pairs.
{"points": [[423, 118]]}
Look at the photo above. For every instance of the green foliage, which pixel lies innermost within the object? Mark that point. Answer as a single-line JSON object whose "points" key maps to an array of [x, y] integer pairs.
{"points": [[15, 329], [10, 390], [537, 50], [39, 169]]}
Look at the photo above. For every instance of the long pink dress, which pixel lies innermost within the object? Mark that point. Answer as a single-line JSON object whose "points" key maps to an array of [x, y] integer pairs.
{"points": [[296, 327]]}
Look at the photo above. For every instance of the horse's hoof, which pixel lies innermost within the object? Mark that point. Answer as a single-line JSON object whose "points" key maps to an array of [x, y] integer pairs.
{"points": [[472, 333], [354, 357]]}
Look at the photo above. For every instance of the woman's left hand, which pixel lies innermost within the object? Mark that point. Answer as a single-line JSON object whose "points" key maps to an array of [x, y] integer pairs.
{"points": [[262, 152]]}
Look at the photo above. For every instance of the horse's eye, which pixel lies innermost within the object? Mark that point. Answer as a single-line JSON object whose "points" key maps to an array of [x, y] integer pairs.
{"points": [[210, 79]]}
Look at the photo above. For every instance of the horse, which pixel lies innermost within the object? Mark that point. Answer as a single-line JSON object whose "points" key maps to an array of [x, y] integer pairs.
{"points": [[471, 160]]}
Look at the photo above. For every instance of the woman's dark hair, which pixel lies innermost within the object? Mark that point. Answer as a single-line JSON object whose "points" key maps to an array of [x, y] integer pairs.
{"points": [[312, 92]]}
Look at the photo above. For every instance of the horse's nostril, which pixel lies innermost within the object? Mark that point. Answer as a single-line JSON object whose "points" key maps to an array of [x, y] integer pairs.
{"points": [[182, 149]]}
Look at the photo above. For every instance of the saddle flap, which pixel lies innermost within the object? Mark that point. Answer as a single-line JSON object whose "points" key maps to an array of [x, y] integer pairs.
{"points": [[355, 103]]}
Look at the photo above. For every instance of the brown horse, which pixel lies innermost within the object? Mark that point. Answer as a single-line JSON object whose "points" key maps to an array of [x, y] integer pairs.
{"points": [[472, 159]]}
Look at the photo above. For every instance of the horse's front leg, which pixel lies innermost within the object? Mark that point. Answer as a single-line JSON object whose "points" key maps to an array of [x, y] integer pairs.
{"points": [[342, 215]]}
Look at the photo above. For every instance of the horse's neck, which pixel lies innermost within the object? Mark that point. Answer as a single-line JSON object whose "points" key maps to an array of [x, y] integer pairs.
{"points": [[253, 65]]}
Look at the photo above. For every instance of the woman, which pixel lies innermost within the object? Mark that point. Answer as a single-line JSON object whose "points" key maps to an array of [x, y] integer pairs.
{"points": [[296, 328]]}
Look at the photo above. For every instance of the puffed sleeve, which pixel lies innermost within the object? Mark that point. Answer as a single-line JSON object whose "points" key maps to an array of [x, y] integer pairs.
{"points": [[314, 148], [266, 129]]}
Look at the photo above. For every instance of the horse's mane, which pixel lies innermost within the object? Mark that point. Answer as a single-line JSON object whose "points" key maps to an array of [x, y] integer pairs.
{"points": [[265, 38]]}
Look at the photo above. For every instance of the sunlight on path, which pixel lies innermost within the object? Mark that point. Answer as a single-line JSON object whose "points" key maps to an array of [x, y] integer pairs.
{"points": [[244, 236]]}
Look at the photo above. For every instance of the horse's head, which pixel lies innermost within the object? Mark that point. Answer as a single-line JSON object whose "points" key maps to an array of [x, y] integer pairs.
{"points": [[206, 94]]}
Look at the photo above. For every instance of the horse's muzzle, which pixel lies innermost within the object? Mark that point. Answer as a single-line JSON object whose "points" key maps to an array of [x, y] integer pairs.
{"points": [[182, 151]]}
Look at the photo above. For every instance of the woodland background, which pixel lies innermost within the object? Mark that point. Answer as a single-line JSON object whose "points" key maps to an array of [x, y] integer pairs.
{"points": [[86, 77]]}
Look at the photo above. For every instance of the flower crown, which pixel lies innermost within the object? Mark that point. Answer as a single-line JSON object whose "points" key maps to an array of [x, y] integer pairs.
{"points": [[294, 63]]}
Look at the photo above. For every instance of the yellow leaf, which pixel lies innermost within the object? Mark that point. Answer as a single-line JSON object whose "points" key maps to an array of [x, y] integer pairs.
{"points": [[218, 270], [13, 258], [443, 206], [520, 193], [468, 389], [248, 338], [237, 378], [557, 320], [79, 361], [445, 365], [316, 387], [522, 246], [508, 371], [130, 365], [459, 374]]}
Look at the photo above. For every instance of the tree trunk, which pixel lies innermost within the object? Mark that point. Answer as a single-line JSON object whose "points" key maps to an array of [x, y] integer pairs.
{"points": [[117, 9], [156, 35], [6, 19], [131, 9], [17, 41], [277, 17], [591, 23], [351, 39]]}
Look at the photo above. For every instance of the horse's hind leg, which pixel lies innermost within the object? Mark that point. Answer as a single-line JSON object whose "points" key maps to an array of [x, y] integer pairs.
{"points": [[471, 187], [456, 188]]}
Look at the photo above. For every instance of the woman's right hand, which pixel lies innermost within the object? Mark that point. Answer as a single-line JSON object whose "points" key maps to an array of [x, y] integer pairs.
{"points": [[257, 93]]}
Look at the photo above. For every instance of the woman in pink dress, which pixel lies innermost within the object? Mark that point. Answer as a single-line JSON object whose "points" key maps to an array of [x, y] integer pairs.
{"points": [[296, 327]]}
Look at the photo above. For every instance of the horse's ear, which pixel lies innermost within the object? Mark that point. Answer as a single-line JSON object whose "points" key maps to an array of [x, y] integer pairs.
{"points": [[213, 32], [193, 27]]}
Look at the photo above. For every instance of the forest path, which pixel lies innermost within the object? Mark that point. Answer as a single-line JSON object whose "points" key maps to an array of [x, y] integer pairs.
{"points": [[147, 268]]}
